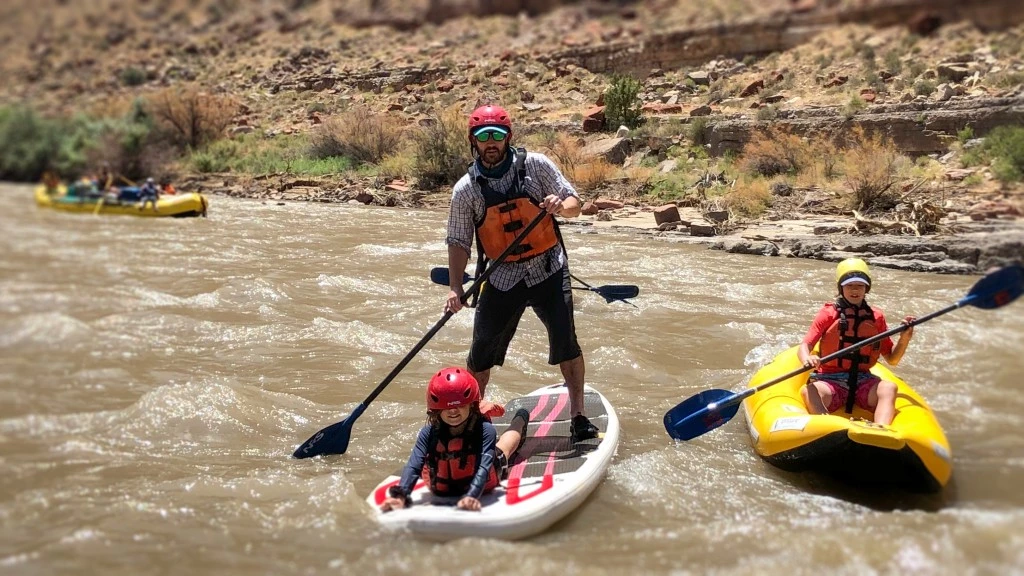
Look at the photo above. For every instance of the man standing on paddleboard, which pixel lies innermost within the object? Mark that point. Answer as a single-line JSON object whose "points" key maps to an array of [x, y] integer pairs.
{"points": [[503, 191]]}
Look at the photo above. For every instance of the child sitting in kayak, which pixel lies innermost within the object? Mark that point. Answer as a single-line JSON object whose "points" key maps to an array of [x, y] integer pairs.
{"points": [[458, 452], [839, 324]]}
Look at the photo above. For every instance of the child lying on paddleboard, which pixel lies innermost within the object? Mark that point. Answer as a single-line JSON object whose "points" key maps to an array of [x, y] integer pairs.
{"points": [[458, 452]]}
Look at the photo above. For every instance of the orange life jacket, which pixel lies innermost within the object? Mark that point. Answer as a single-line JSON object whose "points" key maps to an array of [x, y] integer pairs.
{"points": [[452, 461], [852, 325], [506, 215]]}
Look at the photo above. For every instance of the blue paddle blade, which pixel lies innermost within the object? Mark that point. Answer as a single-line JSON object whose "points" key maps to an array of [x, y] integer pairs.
{"points": [[998, 288], [696, 415], [330, 440]]}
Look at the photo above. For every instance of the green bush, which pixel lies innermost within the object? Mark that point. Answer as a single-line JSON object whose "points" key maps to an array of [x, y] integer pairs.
{"points": [[964, 134], [622, 103], [695, 131], [132, 76], [31, 144], [1005, 146], [924, 87]]}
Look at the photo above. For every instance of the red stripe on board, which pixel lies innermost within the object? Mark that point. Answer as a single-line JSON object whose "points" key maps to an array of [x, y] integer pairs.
{"points": [[512, 495]]}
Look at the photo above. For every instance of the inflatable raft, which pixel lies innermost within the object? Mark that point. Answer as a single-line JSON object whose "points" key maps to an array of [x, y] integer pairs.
{"points": [[911, 453], [178, 206], [548, 478]]}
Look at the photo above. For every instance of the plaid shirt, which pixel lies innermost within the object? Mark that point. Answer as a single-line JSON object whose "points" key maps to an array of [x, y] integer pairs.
{"points": [[542, 179]]}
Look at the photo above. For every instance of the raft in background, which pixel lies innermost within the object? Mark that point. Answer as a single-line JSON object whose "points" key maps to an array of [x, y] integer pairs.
{"points": [[548, 478], [187, 205], [911, 453]]}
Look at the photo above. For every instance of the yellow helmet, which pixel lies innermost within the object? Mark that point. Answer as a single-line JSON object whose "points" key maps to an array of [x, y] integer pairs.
{"points": [[850, 270]]}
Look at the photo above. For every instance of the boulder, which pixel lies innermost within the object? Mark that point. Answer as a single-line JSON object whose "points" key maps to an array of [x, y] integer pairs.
{"points": [[613, 150], [608, 204], [666, 213]]}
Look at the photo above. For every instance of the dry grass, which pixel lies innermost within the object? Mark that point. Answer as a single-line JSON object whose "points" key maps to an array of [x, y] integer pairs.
{"points": [[871, 170], [442, 150], [591, 175], [749, 198], [358, 134], [566, 151], [771, 152]]}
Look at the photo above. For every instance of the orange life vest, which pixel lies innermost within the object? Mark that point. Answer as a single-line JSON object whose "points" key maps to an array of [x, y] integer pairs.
{"points": [[852, 325], [452, 461], [506, 215]]}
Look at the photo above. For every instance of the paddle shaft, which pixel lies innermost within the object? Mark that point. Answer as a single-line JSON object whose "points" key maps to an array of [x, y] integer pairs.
{"points": [[447, 315], [847, 351], [441, 275]]}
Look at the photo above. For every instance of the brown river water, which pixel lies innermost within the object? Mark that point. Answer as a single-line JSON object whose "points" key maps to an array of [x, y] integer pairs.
{"points": [[155, 376]]}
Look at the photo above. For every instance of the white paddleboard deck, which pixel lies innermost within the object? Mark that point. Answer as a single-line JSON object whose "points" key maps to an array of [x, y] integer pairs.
{"points": [[547, 479]]}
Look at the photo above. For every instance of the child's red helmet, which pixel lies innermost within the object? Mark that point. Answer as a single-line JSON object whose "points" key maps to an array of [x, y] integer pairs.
{"points": [[451, 388], [489, 115]]}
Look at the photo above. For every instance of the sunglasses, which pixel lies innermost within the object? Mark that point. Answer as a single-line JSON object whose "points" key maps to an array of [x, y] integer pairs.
{"points": [[485, 136]]}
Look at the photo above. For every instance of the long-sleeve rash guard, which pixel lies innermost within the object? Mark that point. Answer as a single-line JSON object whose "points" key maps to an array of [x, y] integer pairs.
{"points": [[414, 467]]}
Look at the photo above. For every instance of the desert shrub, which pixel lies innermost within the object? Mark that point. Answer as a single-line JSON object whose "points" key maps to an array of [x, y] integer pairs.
{"points": [[358, 134], [564, 150], [31, 144], [191, 118], [924, 87], [622, 103], [1005, 146], [964, 134], [132, 76], [442, 150], [871, 169], [772, 152], [696, 130], [767, 113], [853, 106], [749, 198], [400, 165], [591, 175]]}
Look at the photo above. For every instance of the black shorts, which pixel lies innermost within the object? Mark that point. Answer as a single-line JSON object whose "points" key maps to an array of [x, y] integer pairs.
{"points": [[498, 314]]}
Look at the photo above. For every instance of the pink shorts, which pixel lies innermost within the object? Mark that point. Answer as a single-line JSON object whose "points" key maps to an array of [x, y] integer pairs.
{"points": [[836, 382]]}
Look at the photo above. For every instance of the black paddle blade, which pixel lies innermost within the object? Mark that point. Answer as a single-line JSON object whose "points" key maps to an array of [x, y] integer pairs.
{"points": [[700, 414], [998, 288], [614, 292], [440, 276], [330, 440]]}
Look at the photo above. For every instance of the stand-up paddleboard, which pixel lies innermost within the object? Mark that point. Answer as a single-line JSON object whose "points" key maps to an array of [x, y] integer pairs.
{"points": [[547, 479]]}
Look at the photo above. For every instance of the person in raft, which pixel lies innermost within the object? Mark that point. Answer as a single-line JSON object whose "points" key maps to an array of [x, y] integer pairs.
{"points": [[840, 324], [458, 452]]}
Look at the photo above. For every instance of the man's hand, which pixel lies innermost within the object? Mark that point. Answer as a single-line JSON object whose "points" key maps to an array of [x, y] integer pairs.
{"points": [[454, 301], [552, 205]]}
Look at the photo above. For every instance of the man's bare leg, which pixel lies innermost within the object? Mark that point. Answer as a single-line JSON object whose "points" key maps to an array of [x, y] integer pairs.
{"points": [[482, 378], [573, 372]]}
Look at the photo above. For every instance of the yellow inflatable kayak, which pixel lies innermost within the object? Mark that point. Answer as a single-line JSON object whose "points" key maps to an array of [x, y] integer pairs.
{"points": [[912, 452], [179, 205]]}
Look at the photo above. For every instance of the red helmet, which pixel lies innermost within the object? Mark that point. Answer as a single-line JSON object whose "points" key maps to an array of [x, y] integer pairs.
{"points": [[451, 388], [489, 115]]}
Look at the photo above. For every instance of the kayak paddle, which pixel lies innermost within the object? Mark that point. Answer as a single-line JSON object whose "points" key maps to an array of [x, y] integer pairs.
{"points": [[710, 409], [610, 292]]}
